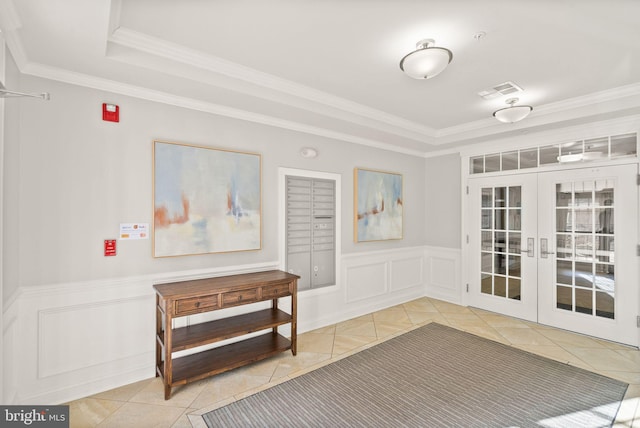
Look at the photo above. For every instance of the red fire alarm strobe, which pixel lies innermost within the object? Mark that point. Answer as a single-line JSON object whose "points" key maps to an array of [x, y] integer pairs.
{"points": [[109, 247], [110, 112]]}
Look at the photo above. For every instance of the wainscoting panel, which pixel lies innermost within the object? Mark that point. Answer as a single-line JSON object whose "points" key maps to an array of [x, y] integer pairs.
{"points": [[124, 327], [406, 273], [365, 281], [443, 267], [378, 280]]}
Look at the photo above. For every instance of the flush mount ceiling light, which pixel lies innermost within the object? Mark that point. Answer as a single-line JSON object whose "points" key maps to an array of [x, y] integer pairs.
{"points": [[426, 61], [512, 113]]}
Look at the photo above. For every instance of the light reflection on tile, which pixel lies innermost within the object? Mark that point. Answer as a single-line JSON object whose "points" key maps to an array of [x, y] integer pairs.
{"points": [[420, 305], [292, 363], [318, 343], [225, 386], [181, 396], [426, 317], [183, 421], [524, 336], [91, 411], [344, 344], [356, 328], [124, 393], [143, 416]]}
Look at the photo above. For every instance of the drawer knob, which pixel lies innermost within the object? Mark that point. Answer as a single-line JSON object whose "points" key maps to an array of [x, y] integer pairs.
{"points": [[197, 304]]}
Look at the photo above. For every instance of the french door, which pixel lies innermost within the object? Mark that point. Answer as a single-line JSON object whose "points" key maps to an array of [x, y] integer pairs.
{"points": [[558, 248]]}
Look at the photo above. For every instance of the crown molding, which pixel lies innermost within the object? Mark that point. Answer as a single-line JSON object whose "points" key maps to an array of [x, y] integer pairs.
{"points": [[9, 19], [66, 76], [192, 58], [115, 11], [10, 24], [600, 97], [615, 94]]}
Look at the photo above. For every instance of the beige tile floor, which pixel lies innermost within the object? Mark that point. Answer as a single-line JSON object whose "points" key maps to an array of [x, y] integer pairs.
{"points": [[142, 404]]}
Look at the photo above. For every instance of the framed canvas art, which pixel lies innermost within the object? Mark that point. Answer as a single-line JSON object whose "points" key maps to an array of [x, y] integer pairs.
{"points": [[378, 205], [205, 200]]}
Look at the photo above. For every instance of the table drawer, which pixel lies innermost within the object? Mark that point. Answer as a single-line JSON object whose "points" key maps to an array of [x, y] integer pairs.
{"points": [[239, 297], [197, 304], [273, 291]]}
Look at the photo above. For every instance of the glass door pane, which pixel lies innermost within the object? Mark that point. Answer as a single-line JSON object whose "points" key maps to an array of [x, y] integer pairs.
{"points": [[503, 266], [501, 241], [585, 280]]}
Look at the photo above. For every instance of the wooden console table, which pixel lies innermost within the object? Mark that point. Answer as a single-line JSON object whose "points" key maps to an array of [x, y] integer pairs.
{"points": [[183, 298]]}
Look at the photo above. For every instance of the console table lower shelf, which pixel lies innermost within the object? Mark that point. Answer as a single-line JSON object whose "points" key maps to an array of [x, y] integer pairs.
{"points": [[219, 360]]}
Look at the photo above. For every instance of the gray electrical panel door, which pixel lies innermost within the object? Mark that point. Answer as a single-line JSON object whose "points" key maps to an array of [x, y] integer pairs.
{"points": [[311, 231]]}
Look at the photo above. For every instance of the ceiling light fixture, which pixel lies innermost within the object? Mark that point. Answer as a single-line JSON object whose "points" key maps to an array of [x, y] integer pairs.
{"points": [[571, 157], [426, 61], [512, 113]]}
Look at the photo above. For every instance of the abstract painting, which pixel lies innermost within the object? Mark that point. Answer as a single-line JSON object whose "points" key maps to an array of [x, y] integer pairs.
{"points": [[378, 205], [205, 200]]}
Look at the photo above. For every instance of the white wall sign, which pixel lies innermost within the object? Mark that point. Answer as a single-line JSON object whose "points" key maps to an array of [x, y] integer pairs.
{"points": [[134, 230]]}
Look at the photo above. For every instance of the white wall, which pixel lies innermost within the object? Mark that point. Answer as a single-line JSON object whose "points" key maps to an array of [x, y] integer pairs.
{"points": [[11, 168], [443, 212], [443, 217], [3, 55], [77, 322], [10, 218]]}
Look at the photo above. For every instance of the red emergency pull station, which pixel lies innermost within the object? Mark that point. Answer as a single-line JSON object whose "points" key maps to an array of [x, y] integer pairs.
{"points": [[110, 247], [110, 112]]}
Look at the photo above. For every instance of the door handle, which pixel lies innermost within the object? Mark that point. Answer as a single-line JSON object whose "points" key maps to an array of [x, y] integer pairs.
{"points": [[530, 250], [543, 248]]}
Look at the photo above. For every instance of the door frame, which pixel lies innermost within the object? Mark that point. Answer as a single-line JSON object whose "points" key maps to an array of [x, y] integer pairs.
{"points": [[283, 172], [466, 207], [527, 307], [626, 260]]}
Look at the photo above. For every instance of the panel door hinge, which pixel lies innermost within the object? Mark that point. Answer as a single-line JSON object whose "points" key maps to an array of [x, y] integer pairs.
{"points": [[638, 250], [468, 186], [638, 321], [468, 291], [637, 180], [468, 241]]}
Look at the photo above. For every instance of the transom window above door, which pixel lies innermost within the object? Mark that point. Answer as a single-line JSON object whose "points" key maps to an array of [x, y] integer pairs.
{"points": [[591, 150]]}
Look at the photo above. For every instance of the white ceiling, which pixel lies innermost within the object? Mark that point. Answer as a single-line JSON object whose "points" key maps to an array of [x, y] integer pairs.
{"points": [[330, 67]]}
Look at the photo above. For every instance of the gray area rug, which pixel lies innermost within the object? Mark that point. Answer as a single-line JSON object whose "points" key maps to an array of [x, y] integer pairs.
{"points": [[434, 376]]}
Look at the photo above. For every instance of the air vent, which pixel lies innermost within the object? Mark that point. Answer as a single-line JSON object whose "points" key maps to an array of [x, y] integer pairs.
{"points": [[505, 88]]}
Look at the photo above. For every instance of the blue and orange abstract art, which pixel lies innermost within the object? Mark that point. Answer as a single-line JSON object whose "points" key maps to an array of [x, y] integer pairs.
{"points": [[378, 205], [205, 200]]}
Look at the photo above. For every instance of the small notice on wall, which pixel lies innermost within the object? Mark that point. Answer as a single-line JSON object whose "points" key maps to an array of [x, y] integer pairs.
{"points": [[134, 230]]}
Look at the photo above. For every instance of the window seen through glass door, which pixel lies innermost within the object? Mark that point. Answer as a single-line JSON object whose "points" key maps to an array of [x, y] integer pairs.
{"points": [[585, 265], [501, 241]]}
